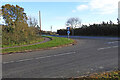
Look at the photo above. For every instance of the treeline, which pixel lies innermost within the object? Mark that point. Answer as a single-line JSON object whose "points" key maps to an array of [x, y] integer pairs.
{"points": [[16, 30], [104, 29]]}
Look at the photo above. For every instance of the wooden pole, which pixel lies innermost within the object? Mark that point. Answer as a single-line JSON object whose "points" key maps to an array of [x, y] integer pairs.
{"points": [[40, 22], [51, 28]]}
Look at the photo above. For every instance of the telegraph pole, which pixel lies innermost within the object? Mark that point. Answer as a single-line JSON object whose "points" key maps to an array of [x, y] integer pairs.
{"points": [[40, 22], [51, 28]]}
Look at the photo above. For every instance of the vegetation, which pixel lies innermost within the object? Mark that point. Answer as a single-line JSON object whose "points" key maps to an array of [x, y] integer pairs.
{"points": [[113, 75], [32, 22], [16, 31], [56, 41], [73, 23], [21, 30], [104, 29], [24, 43], [13, 15]]}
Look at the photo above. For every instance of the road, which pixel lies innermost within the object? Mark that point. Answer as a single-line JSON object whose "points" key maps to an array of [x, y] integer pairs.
{"points": [[87, 56]]}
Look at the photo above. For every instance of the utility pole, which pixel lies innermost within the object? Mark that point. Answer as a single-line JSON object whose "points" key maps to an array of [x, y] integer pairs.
{"points": [[51, 28], [40, 22]]}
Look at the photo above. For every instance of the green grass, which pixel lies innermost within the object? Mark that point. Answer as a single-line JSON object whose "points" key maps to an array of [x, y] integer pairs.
{"points": [[24, 43], [56, 41]]}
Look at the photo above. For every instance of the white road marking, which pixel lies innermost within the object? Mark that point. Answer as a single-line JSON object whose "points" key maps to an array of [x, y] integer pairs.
{"points": [[104, 48], [78, 71], [8, 62], [5, 62], [91, 69], [24, 60], [101, 67], [39, 58], [107, 47], [112, 42], [115, 46]]}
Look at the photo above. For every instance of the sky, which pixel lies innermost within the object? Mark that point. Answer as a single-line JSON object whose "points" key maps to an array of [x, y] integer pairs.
{"points": [[56, 14]]}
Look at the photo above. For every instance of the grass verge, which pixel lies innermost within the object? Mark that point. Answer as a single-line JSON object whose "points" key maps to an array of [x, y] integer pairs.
{"points": [[113, 75], [25, 43], [55, 42]]}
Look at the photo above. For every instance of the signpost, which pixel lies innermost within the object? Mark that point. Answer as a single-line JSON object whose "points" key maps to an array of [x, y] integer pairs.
{"points": [[68, 28], [68, 32]]}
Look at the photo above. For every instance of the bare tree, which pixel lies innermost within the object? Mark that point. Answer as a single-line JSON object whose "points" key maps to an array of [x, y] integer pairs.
{"points": [[73, 23], [35, 22], [0, 12], [118, 21], [32, 21]]}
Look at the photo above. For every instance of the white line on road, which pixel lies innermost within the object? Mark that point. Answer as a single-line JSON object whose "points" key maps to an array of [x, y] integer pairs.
{"points": [[107, 48], [115, 46], [22, 60], [101, 67], [112, 42]]}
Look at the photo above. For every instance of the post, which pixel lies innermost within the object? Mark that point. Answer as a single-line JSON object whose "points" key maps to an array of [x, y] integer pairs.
{"points": [[40, 22], [51, 28], [72, 31], [68, 32], [68, 36]]}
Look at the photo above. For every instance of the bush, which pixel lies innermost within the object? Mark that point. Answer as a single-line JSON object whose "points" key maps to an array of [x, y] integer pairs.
{"points": [[21, 33]]}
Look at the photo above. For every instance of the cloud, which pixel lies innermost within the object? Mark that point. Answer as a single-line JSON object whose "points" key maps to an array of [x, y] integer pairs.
{"points": [[100, 6], [82, 7], [73, 11], [104, 6]]}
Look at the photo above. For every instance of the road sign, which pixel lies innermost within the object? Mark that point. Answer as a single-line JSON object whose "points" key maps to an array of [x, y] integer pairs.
{"points": [[68, 28], [68, 32]]}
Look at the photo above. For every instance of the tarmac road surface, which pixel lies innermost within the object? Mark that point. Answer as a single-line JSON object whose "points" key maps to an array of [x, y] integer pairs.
{"points": [[87, 56]]}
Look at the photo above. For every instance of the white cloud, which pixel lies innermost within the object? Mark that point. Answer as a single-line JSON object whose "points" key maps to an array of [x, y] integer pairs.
{"points": [[82, 7], [104, 6], [73, 11], [100, 6], [95, 4]]}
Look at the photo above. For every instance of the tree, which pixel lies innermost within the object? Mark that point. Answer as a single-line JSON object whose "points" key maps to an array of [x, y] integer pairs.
{"points": [[0, 12], [73, 23], [13, 14], [103, 23], [32, 21], [111, 22], [118, 21]]}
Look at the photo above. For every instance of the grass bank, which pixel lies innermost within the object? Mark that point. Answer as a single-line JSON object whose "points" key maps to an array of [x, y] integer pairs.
{"points": [[113, 75], [38, 39], [55, 42]]}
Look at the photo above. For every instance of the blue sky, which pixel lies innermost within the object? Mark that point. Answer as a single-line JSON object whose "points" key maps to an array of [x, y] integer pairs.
{"points": [[57, 13]]}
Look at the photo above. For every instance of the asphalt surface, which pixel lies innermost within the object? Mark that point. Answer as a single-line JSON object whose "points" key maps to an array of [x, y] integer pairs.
{"points": [[87, 56]]}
